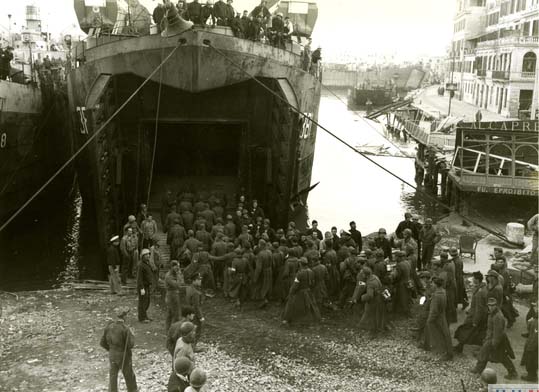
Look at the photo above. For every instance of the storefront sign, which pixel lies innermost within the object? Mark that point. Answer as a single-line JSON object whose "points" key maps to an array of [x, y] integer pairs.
{"points": [[514, 126], [506, 191]]}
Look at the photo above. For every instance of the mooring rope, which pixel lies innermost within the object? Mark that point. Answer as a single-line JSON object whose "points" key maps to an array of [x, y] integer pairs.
{"points": [[423, 193]]}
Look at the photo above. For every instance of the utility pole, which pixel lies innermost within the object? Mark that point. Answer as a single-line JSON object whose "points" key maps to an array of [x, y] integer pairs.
{"points": [[9, 30], [451, 92]]}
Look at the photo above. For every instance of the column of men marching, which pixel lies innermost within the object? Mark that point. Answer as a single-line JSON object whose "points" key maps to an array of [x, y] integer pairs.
{"points": [[247, 260]]}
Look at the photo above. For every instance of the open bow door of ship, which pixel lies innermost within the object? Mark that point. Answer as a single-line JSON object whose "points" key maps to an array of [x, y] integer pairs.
{"points": [[196, 155]]}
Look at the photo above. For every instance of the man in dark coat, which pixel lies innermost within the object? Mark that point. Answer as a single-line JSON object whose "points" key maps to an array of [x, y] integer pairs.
{"points": [[118, 340], [332, 265], [417, 229], [436, 320], [172, 217], [220, 12], [230, 228], [406, 224], [381, 242], [402, 284], [6, 56], [278, 255], [450, 287], [158, 15], [277, 30], [494, 288], [179, 378], [239, 278], [301, 305], [461, 296], [175, 239], [194, 12], [207, 13], [188, 219], [230, 13], [204, 237], [262, 11], [320, 291], [144, 283], [374, 315], [193, 298], [166, 205], [314, 229], [474, 328], [429, 237], [497, 347], [263, 273], [349, 269], [508, 310], [529, 356], [356, 235], [172, 297]]}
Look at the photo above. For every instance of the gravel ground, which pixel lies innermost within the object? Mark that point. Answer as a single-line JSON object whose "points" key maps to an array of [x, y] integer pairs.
{"points": [[49, 341]]}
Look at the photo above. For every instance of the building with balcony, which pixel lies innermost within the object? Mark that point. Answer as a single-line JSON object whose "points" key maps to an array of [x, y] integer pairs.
{"points": [[494, 53]]}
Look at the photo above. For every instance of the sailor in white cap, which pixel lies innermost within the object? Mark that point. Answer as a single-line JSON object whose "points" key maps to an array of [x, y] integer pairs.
{"points": [[114, 262]]}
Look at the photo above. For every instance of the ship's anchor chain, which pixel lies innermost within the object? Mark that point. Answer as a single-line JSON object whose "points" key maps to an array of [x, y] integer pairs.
{"points": [[500, 235]]}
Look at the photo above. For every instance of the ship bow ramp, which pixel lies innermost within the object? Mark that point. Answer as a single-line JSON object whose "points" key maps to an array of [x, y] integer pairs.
{"points": [[209, 122]]}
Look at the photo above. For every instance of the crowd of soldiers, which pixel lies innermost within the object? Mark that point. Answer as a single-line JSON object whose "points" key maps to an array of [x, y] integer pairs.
{"points": [[257, 25], [385, 277]]}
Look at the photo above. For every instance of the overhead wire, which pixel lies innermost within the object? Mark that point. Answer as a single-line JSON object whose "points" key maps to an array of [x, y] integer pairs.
{"points": [[156, 128], [307, 118], [90, 139]]}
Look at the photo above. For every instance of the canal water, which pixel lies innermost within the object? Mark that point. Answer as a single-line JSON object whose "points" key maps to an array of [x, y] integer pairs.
{"points": [[47, 245]]}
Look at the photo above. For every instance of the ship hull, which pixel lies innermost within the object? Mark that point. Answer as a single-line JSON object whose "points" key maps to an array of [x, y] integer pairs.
{"points": [[210, 123], [33, 142]]}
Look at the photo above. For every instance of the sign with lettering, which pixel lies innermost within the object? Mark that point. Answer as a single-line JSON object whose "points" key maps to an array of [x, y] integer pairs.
{"points": [[510, 126], [506, 191]]}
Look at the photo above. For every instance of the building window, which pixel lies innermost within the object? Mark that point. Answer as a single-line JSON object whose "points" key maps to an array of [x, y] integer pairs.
{"points": [[529, 62], [505, 99]]}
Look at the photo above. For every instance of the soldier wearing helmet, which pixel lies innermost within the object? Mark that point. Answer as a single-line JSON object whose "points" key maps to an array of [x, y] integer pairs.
{"points": [[496, 346], [429, 237], [197, 379], [179, 378], [488, 376], [118, 340], [382, 242]]}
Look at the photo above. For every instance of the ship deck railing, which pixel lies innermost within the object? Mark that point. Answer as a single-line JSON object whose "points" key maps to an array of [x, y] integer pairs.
{"points": [[492, 170], [100, 38]]}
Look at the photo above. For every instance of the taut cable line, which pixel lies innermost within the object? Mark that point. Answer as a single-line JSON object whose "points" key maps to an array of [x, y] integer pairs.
{"points": [[90, 139], [423, 193]]}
